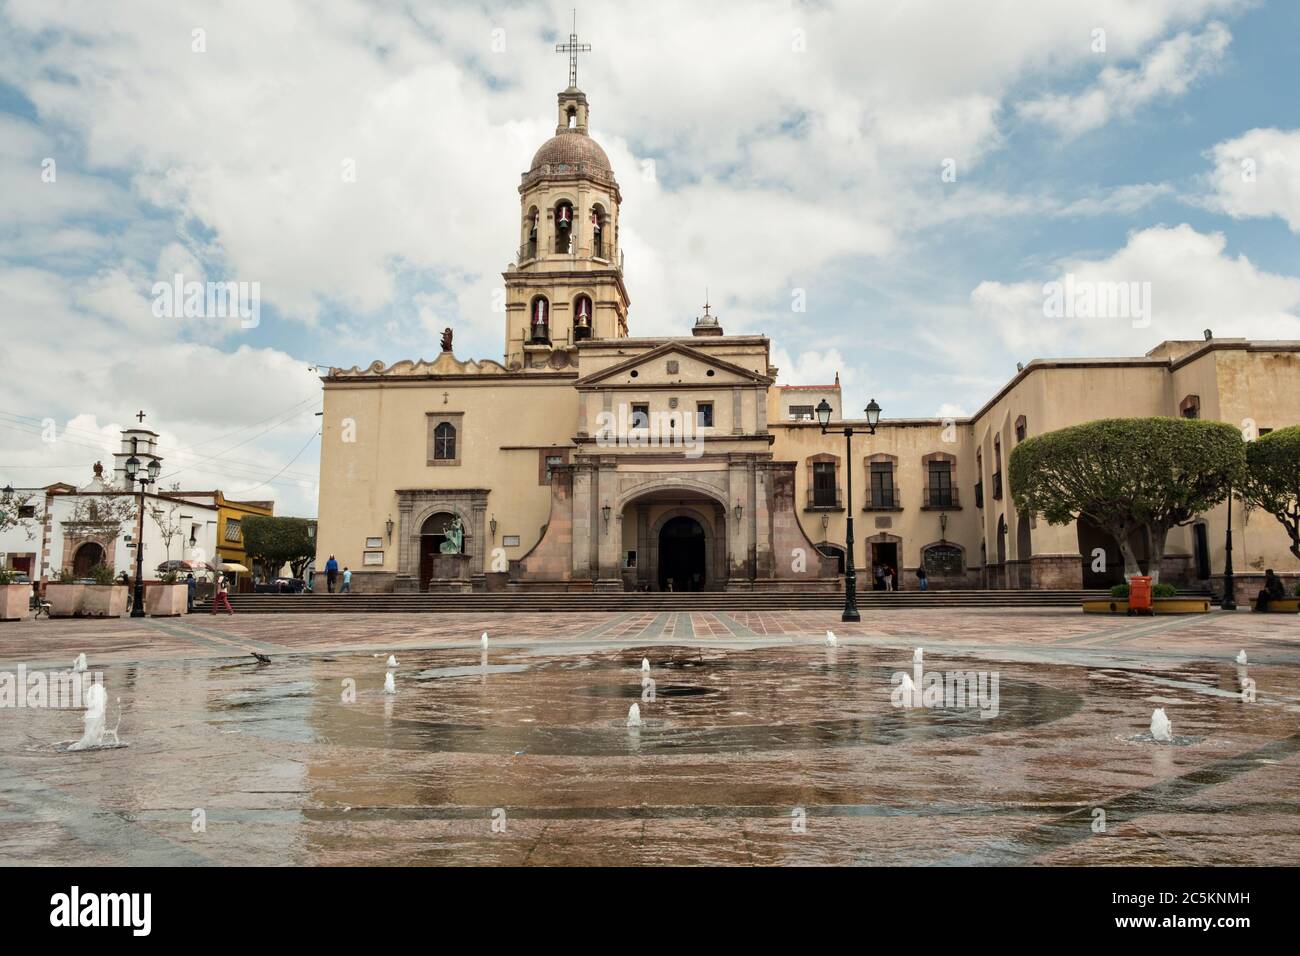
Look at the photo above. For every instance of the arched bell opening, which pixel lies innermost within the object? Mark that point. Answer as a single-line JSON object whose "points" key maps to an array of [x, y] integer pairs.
{"points": [[583, 316], [540, 321]]}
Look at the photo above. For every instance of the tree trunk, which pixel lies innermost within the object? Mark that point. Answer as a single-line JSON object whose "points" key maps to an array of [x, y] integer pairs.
{"points": [[1131, 566], [1157, 537]]}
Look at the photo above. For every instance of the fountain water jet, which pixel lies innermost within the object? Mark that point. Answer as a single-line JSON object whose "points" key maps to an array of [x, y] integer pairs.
{"points": [[96, 719], [1161, 728], [79, 665], [830, 639], [645, 665], [392, 662], [634, 715], [916, 656], [1241, 658], [390, 686], [483, 641]]}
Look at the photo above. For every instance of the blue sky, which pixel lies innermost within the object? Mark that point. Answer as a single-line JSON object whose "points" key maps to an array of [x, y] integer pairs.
{"points": [[771, 151]]}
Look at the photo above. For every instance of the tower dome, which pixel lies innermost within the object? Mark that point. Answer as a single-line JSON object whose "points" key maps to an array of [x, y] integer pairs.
{"points": [[571, 147]]}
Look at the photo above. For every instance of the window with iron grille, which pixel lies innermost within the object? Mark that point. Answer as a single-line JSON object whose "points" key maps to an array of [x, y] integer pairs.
{"points": [[232, 530], [800, 413], [940, 484], [942, 559], [824, 490], [882, 484]]}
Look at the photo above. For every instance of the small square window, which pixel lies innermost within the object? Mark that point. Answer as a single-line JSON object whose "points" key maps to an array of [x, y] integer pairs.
{"points": [[640, 416], [27, 511], [510, 541], [704, 414]]}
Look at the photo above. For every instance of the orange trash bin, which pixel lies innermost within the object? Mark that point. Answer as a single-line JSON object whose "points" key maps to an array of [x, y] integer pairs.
{"points": [[1139, 594]]}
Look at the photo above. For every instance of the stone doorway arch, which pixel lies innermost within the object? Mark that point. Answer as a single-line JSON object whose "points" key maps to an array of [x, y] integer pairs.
{"points": [[712, 523]]}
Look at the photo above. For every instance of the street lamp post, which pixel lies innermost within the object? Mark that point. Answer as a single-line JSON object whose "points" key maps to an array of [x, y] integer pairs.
{"points": [[1229, 602], [850, 575], [148, 477]]}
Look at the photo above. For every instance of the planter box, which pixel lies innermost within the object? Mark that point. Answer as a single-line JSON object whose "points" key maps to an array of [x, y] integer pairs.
{"points": [[1173, 605], [14, 601], [104, 600], [164, 600], [66, 600]]}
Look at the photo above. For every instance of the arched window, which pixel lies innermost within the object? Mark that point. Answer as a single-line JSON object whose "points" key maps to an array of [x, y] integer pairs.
{"points": [[540, 320], [997, 467], [444, 442], [563, 226], [582, 315], [530, 234], [598, 231], [942, 560]]}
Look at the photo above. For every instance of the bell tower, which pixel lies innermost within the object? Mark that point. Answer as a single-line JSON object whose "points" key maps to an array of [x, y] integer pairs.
{"points": [[566, 283]]}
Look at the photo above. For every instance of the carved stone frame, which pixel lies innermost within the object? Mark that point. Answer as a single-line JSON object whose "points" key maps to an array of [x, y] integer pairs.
{"points": [[416, 505]]}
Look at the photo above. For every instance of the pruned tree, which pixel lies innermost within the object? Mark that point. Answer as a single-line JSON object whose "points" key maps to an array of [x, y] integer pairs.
{"points": [[103, 514], [12, 505], [1128, 475], [169, 526], [1272, 480], [272, 542]]}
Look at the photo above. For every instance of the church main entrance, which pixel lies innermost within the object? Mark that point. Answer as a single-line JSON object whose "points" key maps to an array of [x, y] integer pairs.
{"points": [[682, 565], [432, 534]]}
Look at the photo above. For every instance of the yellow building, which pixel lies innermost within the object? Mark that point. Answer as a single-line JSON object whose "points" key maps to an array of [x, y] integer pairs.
{"points": [[590, 459], [230, 515]]}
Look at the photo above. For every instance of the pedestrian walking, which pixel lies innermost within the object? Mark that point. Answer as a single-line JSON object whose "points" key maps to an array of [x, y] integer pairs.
{"points": [[191, 587], [222, 597], [923, 580], [893, 578], [347, 580], [331, 573]]}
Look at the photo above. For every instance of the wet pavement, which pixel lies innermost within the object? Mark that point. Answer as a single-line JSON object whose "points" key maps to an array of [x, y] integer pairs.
{"points": [[758, 744]]}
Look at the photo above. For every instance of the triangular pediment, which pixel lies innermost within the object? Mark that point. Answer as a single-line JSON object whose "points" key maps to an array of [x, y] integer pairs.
{"points": [[693, 367]]}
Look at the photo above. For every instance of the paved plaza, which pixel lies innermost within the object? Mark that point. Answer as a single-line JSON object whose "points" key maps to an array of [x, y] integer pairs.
{"points": [[759, 743]]}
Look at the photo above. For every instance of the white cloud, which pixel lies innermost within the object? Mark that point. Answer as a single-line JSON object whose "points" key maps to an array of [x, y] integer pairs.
{"points": [[1258, 175], [1193, 285], [1167, 71]]}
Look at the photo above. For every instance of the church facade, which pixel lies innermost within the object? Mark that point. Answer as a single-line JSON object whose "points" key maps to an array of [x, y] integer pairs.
{"points": [[591, 459]]}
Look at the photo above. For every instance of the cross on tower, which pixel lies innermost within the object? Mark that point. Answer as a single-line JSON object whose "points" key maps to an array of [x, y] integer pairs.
{"points": [[139, 416], [573, 48]]}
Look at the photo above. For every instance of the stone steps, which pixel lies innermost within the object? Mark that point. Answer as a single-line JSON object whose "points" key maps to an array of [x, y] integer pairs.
{"points": [[541, 602]]}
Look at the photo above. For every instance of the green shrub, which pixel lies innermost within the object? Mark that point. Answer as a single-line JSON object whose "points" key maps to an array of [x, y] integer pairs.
{"points": [[1157, 591], [65, 576], [8, 576], [102, 574], [170, 577]]}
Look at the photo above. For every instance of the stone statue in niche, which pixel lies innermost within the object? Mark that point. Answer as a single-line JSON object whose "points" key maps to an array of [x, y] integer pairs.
{"points": [[446, 339], [455, 536]]}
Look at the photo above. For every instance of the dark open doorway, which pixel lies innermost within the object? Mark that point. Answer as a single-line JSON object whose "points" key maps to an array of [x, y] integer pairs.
{"points": [[681, 556], [883, 554]]}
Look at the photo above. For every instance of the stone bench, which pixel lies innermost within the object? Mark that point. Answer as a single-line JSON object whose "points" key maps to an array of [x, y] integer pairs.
{"points": [[1287, 605]]}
